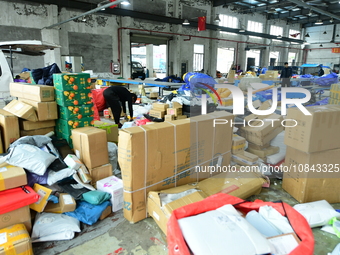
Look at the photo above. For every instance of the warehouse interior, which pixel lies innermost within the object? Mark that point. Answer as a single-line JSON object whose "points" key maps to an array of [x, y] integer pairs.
{"points": [[169, 127]]}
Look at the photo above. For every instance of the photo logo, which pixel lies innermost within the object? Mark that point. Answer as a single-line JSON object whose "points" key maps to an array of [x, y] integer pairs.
{"points": [[238, 100]]}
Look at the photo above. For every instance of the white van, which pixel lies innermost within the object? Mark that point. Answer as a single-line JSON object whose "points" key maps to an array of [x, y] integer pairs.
{"points": [[8, 49]]}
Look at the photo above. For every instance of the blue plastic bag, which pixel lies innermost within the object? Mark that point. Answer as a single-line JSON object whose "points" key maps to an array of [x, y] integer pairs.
{"points": [[88, 213]]}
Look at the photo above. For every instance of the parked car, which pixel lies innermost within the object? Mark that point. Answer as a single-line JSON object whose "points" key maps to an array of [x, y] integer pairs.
{"points": [[138, 70]]}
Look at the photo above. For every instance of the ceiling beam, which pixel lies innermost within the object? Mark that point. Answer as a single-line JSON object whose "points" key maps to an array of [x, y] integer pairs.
{"points": [[223, 2]]}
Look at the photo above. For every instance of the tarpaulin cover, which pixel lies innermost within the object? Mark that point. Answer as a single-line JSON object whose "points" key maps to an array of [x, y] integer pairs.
{"points": [[327, 80], [12, 199], [178, 246]]}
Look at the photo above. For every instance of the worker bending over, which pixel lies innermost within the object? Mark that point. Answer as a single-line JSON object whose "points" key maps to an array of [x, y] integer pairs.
{"points": [[116, 98]]}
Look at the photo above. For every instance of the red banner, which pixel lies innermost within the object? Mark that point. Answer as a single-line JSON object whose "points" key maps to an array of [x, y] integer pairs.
{"points": [[112, 6], [201, 23], [335, 50]]}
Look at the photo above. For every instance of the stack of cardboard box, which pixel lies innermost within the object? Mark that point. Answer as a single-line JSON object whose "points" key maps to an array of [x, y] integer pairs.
{"points": [[175, 113], [259, 131], [335, 94], [313, 152], [74, 99], [90, 146], [35, 107]]}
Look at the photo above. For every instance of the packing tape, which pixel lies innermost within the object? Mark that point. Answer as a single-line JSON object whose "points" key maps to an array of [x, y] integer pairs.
{"points": [[175, 136], [145, 165], [2, 182]]}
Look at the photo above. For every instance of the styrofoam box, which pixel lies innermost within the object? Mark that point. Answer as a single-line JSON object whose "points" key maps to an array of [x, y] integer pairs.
{"points": [[113, 186]]}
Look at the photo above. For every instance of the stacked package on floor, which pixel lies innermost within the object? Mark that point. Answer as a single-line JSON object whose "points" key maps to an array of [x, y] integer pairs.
{"points": [[74, 100], [335, 94], [312, 156], [162, 110], [259, 131], [170, 154], [35, 107]]}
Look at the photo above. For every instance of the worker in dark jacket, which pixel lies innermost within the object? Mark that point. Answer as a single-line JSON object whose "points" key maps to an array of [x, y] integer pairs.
{"points": [[286, 74], [116, 98], [321, 71]]}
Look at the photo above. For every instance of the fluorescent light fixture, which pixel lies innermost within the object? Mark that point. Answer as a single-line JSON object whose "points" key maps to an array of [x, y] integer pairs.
{"points": [[331, 20], [272, 10], [242, 30], [217, 18], [126, 2], [319, 22], [321, 45], [307, 35], [325, 33], [186, 22]]}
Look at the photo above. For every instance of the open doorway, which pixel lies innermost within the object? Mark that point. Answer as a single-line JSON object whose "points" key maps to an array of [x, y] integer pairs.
{"points": [[253, 60], [152, 54]]}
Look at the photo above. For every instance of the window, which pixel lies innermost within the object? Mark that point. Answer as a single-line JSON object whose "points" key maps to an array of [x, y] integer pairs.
{"points": [[275, 30], [228, 21], [225, 58], [292, 58], [198, 57], [293, 32], [255, 27]]}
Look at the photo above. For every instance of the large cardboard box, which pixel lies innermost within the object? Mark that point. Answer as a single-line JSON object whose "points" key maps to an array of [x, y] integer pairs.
{"points": [[113, 186], [238, 184], [110, 128], [66, 204], [17, 241], [263, 152], [90, 146], [9, 125], [40, 131], [11, 176], [157, 113], [21, 215], [316, 132], [264, 141], [44, 110], [73, 97], [64, 127], [156, 157], [76, 112], [38, 93], [312, 176], [100, 172], [22, 110], [160, 106], [32, 125], [72, 81]]}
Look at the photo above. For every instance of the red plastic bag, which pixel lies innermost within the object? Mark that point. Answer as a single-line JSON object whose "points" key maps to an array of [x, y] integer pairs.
{"points": [[98, 99], [178, 246]]}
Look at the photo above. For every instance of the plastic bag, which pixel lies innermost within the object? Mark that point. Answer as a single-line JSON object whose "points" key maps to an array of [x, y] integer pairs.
{"points": [[31, 158], [54, 177], [113, 149], [47, 224], [176, 242], [65, 235], [34, 178], [96, 197], [36, 140], [98, 99], [88, 213]]}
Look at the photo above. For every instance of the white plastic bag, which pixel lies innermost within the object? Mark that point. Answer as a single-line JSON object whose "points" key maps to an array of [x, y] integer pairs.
{"points": [[276, 219], [31, 158], [65, 235], [54, 177], [317, 213], [113, 157], [47, 224]]}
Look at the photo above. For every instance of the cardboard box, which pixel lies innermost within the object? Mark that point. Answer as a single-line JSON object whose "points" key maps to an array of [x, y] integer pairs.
{"points": [[259, 127], [110, 128], [174, 111], [261, 141], [106, 213], [64, 127], [40, 131], [15, 240], [308, 185], [157, 114], [316, 132], [238, 144], [169, 117], [72, 81], [44, 193], [169, 157], [21, 215], [76, 112], [245, 158], [9, 128], [73, 98], [153, 95], [73, 162], [11, 176], [66, 204], [38, 93], [31, 125], [90, 146], [258, 147], [44, 110], [181, 117], [113, 186], [238, 184], [176, 105], [100, 173], [84, 174], [22, 110], [271, 150], [160, 106]]}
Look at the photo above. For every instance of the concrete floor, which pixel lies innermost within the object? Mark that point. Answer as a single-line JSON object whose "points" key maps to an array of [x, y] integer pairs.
{"points": [[114, 235]]}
